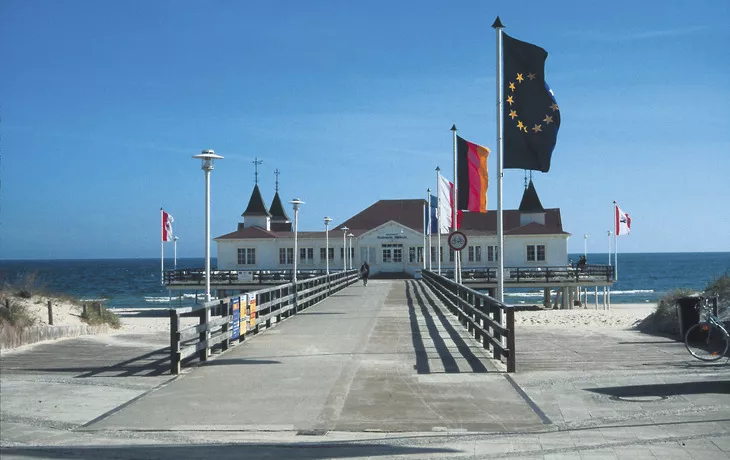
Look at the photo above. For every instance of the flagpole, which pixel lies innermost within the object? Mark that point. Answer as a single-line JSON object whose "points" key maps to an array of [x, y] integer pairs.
{"points": [[424, 237], [500, 155], [455, 206], [615, 241], [438, 217], [162, 249], [428, 205]]}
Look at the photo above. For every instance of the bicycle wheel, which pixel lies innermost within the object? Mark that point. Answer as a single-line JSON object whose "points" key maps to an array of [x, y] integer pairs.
{"points": [[706, 341]]}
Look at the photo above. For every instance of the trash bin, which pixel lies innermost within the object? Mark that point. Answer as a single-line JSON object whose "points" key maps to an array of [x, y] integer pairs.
{"points": [[687, 313]]}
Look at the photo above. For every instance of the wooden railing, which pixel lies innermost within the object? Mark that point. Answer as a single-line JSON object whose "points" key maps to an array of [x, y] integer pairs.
{"points": [[491, 322], [528, 275], [215, 327], [196, 276]]}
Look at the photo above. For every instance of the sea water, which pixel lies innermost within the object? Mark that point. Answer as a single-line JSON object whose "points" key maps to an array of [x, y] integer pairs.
{"points": [[136, 283]]}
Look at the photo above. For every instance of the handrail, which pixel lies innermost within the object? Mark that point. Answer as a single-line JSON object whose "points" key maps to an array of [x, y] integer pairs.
{"points": [[480, 314], [547, 274], [277, 302]]}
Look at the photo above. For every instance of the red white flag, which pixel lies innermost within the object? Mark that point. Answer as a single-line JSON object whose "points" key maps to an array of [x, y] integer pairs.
{"points": [[446, 207], [166, 227], [623, 222]]}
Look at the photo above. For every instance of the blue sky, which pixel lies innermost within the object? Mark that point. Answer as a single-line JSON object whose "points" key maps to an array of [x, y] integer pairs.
{"points": [[104, 103]]}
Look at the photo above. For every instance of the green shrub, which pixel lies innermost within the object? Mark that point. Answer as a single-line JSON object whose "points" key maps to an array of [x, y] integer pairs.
{"points": [[15, 314], [97, 314], [720, 287], [665, 319]]}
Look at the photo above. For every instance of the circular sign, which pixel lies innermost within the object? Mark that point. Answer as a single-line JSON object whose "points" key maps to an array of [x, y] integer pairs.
{"points": [[457, 240]]}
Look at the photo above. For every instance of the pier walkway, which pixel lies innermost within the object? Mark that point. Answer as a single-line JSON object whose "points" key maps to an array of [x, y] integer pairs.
{"points": [[380, 371]]}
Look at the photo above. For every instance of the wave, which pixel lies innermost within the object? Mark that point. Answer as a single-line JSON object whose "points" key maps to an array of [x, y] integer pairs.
{"points": [[590, 293], [166, 299]]}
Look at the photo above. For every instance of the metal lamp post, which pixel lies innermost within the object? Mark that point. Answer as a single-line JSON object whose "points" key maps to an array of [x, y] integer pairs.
{"points": [[327, 221], [585, 246], [175, 253], [350, 235], [208, 157], [344, 248], [296, 202]]}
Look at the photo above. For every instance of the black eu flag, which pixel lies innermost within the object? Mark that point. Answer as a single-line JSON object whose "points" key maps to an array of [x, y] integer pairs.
{"points": [[531, 115]]}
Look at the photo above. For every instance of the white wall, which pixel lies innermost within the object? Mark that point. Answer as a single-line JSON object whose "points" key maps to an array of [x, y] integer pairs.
{"points": [[267, 250]]}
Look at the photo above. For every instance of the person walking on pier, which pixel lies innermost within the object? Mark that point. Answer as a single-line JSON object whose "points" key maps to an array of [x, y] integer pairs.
{"points": [[364, 272]]}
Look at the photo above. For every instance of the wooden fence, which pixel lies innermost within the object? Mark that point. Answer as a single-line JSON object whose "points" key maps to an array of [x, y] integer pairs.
{"points": [[483, 316], [215, 326]]}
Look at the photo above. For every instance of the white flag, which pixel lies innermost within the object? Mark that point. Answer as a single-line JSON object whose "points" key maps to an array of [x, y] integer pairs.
{"points": [[623, 222], [446, 195]]}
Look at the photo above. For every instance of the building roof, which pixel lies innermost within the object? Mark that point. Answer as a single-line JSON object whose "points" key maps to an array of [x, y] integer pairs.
{"points": [[278, 214], [256, 206], [409, 213], [530, 201]]}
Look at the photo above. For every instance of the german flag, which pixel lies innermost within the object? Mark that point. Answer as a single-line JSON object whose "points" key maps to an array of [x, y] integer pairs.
{"points": [[472, 175]]}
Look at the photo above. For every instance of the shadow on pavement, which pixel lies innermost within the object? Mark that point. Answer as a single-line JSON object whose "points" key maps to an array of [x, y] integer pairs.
{"points": [[447, 358], [666, 389], [223, 452]]}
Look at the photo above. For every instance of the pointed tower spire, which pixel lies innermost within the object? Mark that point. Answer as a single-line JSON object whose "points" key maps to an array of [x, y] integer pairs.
{"points": [[278, 214], [256, 163], [530, 202]]}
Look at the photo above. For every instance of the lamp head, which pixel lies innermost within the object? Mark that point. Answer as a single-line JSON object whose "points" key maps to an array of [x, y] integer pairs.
{"points": [[344, 229], [327, 220], [208, 156], [296, 202]]}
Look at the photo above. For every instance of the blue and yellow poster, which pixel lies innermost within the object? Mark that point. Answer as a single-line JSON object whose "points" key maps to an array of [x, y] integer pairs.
{"points": [[236, 321]]}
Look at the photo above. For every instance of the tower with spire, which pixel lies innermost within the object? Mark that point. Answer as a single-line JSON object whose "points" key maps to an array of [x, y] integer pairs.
{"points": [[280, 222], [256, 214], [531, 209]]}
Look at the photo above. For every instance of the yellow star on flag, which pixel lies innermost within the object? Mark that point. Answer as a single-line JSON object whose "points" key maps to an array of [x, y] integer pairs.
{"points": [[520, 78], [510, 100], [554, 107], [531, 76], [520, 126], [512, 85], [512, 114], [548, 119], [537, 128]]}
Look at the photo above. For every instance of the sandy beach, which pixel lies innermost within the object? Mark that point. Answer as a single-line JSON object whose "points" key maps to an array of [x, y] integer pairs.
{"points": [[149, 320]]}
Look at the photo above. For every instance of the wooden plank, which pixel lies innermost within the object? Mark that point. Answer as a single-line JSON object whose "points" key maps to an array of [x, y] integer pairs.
{"points": [[191, 332]]}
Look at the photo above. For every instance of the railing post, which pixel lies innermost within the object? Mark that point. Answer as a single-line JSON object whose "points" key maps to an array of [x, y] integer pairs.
{"points": [[174, 342], [205, 334], [225, 311], [497, 317], [512, 356]]}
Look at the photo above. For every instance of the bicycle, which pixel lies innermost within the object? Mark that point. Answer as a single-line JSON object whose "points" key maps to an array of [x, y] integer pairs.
{"points": [[707, 340]]}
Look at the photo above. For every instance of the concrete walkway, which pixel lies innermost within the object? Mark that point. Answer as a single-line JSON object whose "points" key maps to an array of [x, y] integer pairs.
{"points": [[376, 371]]}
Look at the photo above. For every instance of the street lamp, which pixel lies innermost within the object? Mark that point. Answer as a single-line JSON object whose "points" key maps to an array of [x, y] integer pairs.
{"points": [[350, 235], [585, 246], [295, 204], [327, 221], [175, 253], [208, 157], [344, 248]]}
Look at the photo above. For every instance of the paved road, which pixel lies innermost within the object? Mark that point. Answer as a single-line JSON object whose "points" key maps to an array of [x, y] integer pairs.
{"points": [[379, 371]]}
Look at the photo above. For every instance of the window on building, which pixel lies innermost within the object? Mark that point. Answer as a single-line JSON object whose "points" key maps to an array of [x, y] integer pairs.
{"points": [[246, 256], [475, 253], [492, 254], [286, 256], [535, 252], [306, 256], [433, 254], [412, 254], [322, 252]]}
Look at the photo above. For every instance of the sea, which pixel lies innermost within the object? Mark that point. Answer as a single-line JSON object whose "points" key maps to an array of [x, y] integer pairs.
{"points": [[136, 283]]}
